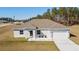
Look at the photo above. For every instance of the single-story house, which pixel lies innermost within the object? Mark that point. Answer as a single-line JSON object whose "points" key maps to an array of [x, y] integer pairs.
{"points": [[41, 30]]}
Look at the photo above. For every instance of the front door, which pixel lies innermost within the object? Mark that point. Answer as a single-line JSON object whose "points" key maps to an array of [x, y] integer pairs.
{"points": [[31, 33]]}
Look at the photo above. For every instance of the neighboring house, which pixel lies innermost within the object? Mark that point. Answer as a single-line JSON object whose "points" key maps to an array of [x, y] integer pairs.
{"points": [[41, 30]]}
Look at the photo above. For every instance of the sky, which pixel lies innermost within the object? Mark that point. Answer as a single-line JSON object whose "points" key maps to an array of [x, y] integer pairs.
{"points": [[22, 12]]}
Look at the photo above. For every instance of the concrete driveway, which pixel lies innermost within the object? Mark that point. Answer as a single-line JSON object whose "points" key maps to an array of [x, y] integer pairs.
{"points": [[66, 45]]}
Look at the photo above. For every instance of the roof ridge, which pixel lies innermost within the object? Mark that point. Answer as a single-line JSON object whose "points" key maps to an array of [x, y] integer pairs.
{"points": [[41, 23]]}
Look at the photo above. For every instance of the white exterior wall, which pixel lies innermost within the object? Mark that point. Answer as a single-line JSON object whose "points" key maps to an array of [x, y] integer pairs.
{"points": [[47, 33], [51, 35], [60, 35], [26, 34], [17, 34]]}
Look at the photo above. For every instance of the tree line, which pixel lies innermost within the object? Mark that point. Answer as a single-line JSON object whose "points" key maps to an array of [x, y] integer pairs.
{"points": [[6, 19], [65, 15]]}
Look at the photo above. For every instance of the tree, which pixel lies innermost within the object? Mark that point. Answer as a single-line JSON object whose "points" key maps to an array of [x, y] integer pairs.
{"points": [[47, 14], [54, 12], [66, 15]]}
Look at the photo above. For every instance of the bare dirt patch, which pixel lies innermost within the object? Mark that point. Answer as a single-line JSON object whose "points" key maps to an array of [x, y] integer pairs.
{"points": [[75, 31]]}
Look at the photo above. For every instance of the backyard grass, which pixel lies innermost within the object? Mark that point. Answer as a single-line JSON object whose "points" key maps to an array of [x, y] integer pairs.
{"points": [[9, 43], [75, 31]]}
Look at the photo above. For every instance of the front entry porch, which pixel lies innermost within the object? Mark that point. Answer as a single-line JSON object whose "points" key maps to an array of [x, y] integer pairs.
{"points": [[40, 35], [37, 34]]}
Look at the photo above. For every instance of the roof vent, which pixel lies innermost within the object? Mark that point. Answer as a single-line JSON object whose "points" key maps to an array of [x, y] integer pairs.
{"points": [[36, 27]]}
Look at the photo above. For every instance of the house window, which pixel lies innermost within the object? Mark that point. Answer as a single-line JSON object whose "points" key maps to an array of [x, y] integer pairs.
{"points": [[45, 36], [31, 33], [21, 31], [38, 32]]}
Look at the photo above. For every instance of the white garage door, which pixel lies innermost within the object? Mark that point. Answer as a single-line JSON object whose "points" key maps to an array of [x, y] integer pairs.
{"points": [[60, 35]]}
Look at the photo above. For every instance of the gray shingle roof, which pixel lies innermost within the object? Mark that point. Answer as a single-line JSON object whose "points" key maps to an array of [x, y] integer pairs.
{"points": [[40, 23], [46, 23]]}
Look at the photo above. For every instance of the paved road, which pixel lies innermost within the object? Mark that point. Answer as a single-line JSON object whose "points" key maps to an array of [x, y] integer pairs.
{"points": [[66, 45]]}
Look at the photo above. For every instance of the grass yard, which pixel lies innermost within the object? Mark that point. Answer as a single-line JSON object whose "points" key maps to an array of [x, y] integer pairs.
{"points": [[75, 31], [8, 43], [27, 46]]}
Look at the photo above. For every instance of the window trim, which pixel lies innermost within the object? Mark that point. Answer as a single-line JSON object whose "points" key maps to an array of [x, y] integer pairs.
{"points": [[21, 32], [31, 33], [38, 32]]}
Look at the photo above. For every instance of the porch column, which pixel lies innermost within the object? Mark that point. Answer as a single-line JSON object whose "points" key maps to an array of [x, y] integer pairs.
{"points": [[34, 34]]}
